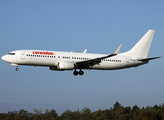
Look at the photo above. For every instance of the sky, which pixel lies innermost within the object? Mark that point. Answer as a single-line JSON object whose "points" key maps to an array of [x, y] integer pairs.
{"points": [[99, 27]]}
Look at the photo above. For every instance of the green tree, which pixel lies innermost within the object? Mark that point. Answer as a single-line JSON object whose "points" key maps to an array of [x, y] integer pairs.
{"points": [[96, 114], [53, 114], [23, 113], [116, 105], [46, 114], [86, 110], [37, 111], [86, 114], [65, 114]]}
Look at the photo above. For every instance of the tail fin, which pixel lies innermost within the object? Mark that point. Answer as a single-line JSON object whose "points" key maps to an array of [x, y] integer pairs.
{"points": [[141, 49]]}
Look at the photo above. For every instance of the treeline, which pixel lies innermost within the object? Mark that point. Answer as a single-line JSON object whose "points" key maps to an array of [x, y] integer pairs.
{"points": [[118, 112]]}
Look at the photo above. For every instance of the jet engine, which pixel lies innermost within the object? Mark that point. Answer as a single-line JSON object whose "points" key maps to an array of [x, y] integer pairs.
{"points": [[55, 68], [65, 66]]}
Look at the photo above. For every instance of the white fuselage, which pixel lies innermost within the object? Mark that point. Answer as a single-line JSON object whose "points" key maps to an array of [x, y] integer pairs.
{"points": [[57, 60], [52, 58]]}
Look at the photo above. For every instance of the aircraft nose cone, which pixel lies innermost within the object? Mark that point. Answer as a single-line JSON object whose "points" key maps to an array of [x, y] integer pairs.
{"points": [[3, 58]]}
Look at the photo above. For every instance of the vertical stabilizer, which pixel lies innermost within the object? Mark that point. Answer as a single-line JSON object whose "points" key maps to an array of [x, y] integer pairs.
{"points": [[141, 49]]}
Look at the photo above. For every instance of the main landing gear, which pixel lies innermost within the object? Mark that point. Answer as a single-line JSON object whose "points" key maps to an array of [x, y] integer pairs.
{"points": [[80, 72]]}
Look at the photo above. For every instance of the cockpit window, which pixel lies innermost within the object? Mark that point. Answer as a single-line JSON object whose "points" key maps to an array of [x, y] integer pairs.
{"points": [[11, 53]]}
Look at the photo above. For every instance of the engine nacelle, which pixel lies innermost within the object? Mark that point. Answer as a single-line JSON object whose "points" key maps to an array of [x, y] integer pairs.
{"points": [[55, 68], [65, 66]]}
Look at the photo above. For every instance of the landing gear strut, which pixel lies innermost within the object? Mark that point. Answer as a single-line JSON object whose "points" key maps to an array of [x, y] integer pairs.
{"points": [[80, 72]]}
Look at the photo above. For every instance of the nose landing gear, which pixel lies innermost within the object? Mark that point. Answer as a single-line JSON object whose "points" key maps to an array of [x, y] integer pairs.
{"points": [[80, 72], [17, 69]]}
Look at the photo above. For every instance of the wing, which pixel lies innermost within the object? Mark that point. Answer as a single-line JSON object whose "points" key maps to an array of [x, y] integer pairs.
{"points": [[91, 62]]}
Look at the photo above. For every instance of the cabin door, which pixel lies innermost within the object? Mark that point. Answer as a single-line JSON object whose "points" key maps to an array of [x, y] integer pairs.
{"points": [[22, 55]]}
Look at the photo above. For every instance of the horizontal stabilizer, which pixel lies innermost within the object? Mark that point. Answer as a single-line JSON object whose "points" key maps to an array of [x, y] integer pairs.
{"points": [[147, 59]]}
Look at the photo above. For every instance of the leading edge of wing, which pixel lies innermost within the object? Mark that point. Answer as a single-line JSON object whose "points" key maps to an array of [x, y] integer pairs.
{"points": [[94, 61]]}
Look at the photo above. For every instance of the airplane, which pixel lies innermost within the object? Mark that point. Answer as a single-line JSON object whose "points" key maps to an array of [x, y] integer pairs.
{"points": [[60, 61]]}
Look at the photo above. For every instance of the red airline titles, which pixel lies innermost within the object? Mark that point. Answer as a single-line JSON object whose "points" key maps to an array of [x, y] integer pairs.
{"points": [[43, 53]]}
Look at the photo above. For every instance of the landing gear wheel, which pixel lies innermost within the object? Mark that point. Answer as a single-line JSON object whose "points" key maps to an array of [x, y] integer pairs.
{"points": [[17, 69], [75, 72], [81, 72]]}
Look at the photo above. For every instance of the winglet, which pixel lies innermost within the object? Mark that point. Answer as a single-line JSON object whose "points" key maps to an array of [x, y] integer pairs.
{"points": [[117, 50], [85, 51]]}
